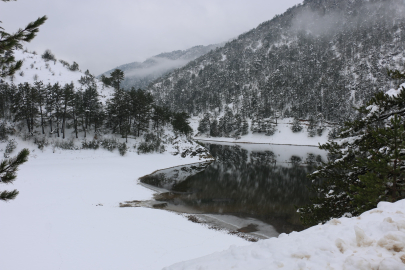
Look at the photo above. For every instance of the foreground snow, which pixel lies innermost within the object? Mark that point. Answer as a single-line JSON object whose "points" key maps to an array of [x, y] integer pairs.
{"points": [[67, 216], [373, 241]]}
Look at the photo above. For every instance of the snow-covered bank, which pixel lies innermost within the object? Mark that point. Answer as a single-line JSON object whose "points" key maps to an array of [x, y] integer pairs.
{"points": [[282, 136], [373, 241], [67, 215]]}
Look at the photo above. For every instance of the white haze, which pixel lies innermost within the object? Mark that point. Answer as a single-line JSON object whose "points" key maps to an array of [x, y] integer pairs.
{"points": [[102, 34], [314, 23], [162, 65]]}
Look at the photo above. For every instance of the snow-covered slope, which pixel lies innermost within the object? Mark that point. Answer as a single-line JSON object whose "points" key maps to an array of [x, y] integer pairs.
{"points": [[35, 68], [373, 241], [140, 75]]}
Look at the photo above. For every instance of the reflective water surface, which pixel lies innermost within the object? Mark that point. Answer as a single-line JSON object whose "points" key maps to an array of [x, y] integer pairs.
{"points": [[248, 186]]}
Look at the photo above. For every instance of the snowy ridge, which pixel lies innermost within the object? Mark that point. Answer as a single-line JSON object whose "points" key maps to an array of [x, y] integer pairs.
{"points": [[375, 240], [35, 68]]}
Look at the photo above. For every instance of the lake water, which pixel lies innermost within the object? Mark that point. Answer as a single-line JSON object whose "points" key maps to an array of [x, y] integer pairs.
{"points": [[249, 188]]}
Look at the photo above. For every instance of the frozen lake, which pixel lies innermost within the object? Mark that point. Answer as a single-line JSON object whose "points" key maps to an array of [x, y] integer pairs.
{"points": [[250, 188]]}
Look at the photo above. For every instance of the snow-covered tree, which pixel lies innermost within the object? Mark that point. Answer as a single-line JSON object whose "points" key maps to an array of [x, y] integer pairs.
{"points": [[366, 164]]}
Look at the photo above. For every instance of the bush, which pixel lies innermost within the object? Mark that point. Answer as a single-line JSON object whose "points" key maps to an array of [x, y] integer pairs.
{"points": [[122, 148], [11, 145], [66, 145], [74, 66], [64, 63], [48, 55], [151, 144], [93, 144], [296, 126], [109, 144], [41, 142]]}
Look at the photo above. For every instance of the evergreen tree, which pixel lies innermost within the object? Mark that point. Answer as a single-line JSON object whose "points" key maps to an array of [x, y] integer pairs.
{"points": [[245, 127], [8, 169], [296, 125], [141, 107], [204, 125], [41, 102], [366, 163], [67, 97], [117, 76], [9, 42], [181, 124]]}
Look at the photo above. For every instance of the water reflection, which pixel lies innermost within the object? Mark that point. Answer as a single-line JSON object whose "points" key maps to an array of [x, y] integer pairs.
{"points": [[247, 181]]}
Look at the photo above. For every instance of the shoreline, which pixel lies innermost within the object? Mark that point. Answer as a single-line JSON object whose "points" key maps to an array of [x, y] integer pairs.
{"points": [[199, 139]]}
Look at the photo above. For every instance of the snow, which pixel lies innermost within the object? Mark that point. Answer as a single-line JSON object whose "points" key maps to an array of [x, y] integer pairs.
{"points": [[283, 135], [375, 240], [51, 72], [67, 216], [395, 92]]}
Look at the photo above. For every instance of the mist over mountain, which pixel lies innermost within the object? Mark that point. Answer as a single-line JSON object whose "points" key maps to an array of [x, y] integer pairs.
{"points": [[140, 75], [320, 57]]}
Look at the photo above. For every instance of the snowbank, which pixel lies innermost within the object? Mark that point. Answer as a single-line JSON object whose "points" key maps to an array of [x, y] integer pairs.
{"points": [[373, 241]]}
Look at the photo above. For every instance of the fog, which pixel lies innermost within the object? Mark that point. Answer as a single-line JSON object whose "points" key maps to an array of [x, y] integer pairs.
{"points": [[162, 66], [103, 34]]}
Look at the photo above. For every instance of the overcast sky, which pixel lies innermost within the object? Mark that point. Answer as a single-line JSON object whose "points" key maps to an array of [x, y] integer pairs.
{"points": [[102, 34]]}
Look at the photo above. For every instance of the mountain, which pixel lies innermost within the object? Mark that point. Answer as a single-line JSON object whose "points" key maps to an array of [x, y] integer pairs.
{"points": [[140, 75], [321, 57]]}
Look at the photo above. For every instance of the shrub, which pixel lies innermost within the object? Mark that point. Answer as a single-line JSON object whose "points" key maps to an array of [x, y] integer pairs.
{"points": [[74, 66], [122, 148], [109, 144], [151, 144], [48, 55], [93, 144], [66, 145], [41, 142], [11, 145]]}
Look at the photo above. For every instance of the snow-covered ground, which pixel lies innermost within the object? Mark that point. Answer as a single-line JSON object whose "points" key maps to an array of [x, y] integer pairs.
{"points": [[283, 135], [373, 241], [67, 215], [35, 68]]}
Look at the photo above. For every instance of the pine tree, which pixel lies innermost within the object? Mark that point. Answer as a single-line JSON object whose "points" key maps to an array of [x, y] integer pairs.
{"points": [[180, 123], [296, 125], [366, 163], [117, 76], [8, 169], [9, 42], [41, 101], [67, 97], [204, 125]]}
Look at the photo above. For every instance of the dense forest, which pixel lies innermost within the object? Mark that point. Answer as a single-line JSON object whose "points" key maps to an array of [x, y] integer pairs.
{"points": [[317, 60]]}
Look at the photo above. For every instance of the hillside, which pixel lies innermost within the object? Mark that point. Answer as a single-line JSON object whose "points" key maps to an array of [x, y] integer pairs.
{"points": [[52, 103], [321, 57], [35, 68], [140, 75]]}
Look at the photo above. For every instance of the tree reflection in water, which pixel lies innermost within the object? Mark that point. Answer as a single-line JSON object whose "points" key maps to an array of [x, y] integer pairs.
{"points": [[245, 183]]}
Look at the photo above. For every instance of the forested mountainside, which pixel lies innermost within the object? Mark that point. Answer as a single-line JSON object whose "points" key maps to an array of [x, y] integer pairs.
{"points": [[321, 57], [140, 75]]}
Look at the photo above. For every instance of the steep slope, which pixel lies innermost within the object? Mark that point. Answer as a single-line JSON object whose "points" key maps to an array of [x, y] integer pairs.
{"points": [[322, 56], [140, 75]]}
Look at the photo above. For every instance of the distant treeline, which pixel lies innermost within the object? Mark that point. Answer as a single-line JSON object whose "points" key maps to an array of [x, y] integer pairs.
{"points": [[55, 108]]}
